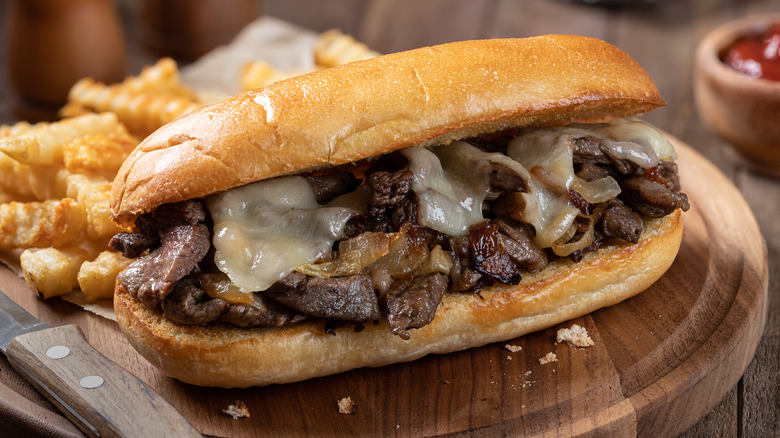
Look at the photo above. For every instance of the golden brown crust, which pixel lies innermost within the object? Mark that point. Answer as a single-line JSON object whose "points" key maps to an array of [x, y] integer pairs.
{"points": [[233, 357], [430, 95]]}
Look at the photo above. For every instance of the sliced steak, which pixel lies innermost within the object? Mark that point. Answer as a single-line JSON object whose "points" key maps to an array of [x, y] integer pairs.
{"points": [[592, 150], [665, 173], [412, 302], [188, 304], [405, 212], [504, 178], [133, 245], [521, 248], [462, 276], [391, 203], [592, 172], [132, 277], [651, 198], [167, 215], [349, 298], [588, 150], [264, 312], [329, 187], [182, 248], [388, 190], [488, 254], [621, 222]]}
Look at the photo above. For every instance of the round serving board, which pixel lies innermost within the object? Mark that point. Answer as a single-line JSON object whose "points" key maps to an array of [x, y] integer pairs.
{"points": [[660, 362]]}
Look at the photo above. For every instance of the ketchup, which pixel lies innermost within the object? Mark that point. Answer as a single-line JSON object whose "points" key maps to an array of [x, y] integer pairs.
{"points": [[757, 56]]}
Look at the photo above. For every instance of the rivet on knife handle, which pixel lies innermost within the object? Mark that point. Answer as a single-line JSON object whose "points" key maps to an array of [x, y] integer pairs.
{"points": [[99, 396]]}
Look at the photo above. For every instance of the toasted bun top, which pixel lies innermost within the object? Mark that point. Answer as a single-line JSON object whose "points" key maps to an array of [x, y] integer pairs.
{"points": [[430, 95]]}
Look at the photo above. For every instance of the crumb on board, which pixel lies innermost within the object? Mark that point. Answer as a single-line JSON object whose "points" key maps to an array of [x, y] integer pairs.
{"points": [[347, 406], [575, 336], [237, 410], [513, 348], [547, 358]]}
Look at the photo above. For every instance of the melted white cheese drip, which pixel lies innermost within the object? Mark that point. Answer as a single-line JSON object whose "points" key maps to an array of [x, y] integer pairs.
{"points": [[451, 183], [263, 230], [547, 209]]}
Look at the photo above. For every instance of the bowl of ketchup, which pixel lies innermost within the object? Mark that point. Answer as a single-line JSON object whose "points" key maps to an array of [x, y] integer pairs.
{"points": [[737, 88]]}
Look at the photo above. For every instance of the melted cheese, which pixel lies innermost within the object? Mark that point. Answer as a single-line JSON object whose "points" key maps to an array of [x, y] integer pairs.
{"points": [[451, 182], [547, 208], [263, 230]]}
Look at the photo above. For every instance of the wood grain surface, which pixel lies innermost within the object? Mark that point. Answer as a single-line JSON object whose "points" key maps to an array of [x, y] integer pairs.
{"points": [[660, 362], [92, 391], [660, 35]]}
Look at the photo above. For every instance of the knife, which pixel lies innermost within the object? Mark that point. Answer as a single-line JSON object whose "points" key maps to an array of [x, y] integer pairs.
{"points": [[96, 394]]}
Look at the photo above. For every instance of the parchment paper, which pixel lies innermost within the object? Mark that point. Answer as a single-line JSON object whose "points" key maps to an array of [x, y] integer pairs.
{"points": [[283, 45]]}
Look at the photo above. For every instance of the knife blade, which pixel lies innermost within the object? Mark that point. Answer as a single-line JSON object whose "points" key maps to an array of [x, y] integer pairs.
{"points": [[96, 394]]}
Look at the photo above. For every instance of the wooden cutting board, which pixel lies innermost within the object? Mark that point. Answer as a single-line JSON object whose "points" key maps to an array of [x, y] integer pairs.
{"points": [[661, 360]]}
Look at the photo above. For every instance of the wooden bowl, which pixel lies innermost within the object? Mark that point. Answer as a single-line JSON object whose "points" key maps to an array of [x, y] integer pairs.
{"points": [[743, 110]]}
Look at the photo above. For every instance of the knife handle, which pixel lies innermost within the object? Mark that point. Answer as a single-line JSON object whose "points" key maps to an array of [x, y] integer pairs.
{"points": [[96, 394]]}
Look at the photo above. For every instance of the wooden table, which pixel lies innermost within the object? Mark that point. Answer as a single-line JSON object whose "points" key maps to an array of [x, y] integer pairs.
{"points": [[661, 37]]}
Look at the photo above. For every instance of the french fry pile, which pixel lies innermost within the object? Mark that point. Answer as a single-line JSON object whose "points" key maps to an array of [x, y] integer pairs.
{"points": [[55, 184], [55, 178]]}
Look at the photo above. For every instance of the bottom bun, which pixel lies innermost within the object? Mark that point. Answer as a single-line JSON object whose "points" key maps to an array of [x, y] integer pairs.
{"points": [[228, 356]]}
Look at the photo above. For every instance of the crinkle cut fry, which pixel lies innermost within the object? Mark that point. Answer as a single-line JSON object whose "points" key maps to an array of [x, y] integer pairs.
{"points": [[100, 154], [143, 103], [40, 224], [43, 143], [53, 271]]}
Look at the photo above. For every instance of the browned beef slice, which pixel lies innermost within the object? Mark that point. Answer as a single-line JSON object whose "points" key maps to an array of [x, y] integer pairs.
{"points": [[132, 276], [650, 198], [349, 298], [462, 276], [588, 150], [594, 151], [190, 305], [413, 303], [592, 172], [328, 187], [132, 245], [167, 215], [521, 248], [488, 254], [504, 178], [264, 312], [153, 276], [388, 190], [621, 222]]}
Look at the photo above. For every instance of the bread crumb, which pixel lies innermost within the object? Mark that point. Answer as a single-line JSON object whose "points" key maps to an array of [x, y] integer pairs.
{"points": [[513, 348], [347, 406], [549, 357], [527, 383], [237, 410], [576, 336]]}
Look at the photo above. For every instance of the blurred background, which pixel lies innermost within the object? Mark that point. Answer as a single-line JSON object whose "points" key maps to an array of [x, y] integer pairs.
{"points": [[47, 45]]}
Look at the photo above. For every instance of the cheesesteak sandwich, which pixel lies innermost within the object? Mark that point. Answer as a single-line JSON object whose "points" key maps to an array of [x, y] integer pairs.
{"points": [[421, 202]]}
